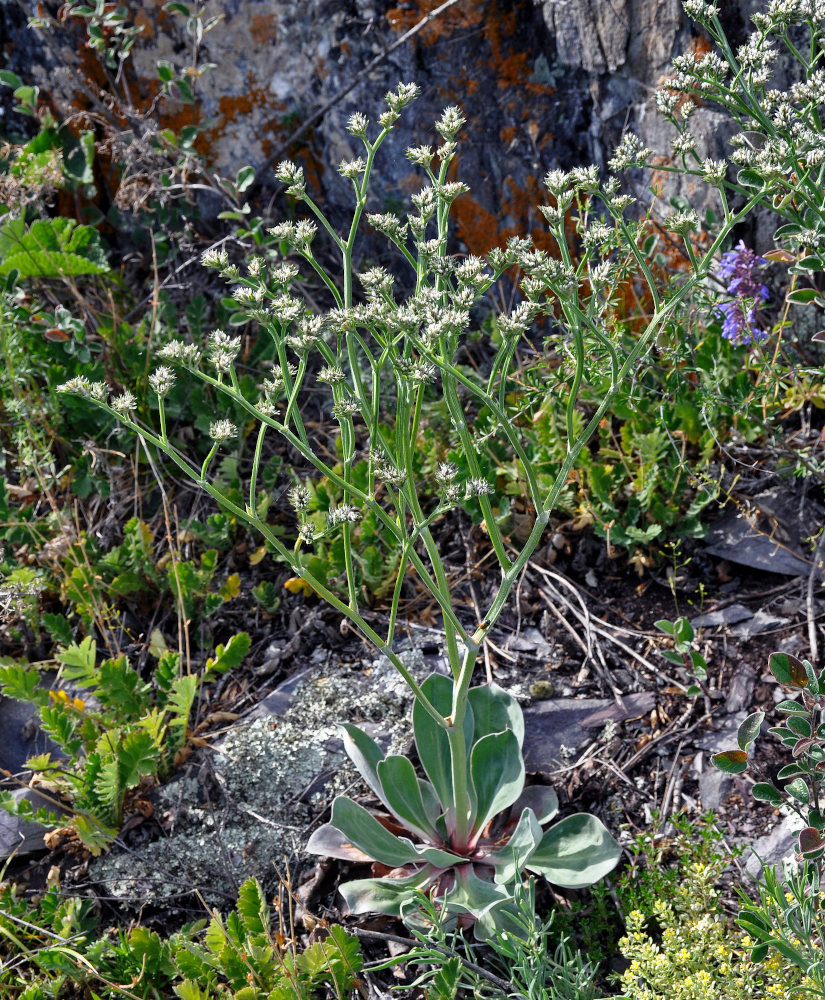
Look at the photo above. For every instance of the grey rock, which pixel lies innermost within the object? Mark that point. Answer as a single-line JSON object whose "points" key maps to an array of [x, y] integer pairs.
{"points": [[761, 622], [740, 690], [730, 615], [21, 736], [778, 846], [590, 34], [17, 836], [714, 788], [768, 535]]}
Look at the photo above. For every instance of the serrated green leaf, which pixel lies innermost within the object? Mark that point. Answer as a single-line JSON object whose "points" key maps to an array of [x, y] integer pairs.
{"points": [[253, 909], [79, 661], [58, 628]]}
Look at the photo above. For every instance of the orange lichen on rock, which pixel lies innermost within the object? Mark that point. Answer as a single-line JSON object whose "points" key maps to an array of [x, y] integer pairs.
{"points": [[481, 229], [263, 28], [468, 14]]}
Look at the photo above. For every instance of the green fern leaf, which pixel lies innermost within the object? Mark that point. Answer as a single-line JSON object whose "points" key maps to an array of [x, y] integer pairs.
{"points": [[253, 909], [22, 684], [61, 728], [137, 755], [120, 687], [51, 248]]}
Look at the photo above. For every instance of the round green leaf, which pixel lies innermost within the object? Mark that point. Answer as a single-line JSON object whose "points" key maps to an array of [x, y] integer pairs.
{"points": [[497, 774], [730, 761], [749, 730], [765, 792]]}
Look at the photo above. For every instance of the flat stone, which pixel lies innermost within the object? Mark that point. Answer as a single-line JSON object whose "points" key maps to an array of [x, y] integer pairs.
{"points": [[21, 736], [550, 725], [714, 788], [776, 847], [730, 615], [18, 836]]}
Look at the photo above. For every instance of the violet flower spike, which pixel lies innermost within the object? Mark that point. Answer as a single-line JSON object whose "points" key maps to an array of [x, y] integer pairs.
{"points": [[741, 268]]}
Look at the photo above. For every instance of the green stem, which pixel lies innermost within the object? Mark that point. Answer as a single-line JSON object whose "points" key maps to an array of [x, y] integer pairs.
{"points": [[253, 479]]}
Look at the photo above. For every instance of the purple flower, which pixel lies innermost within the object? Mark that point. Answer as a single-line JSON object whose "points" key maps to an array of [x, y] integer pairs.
{"points": [[741, 268]]}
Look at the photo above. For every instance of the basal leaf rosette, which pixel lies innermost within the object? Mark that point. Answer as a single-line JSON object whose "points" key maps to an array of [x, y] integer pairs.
{"points": [[412, 843]]}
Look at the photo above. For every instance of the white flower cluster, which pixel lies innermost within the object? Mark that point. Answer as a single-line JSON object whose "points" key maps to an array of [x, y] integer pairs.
{"points": [[162, 380], [384, 469], [222, 430], [291, 174], [519, 320], [221, 349], [214, 258], [352, 169], [629, 153], [179, 352], [701, 10], [81, 386], [343, 513], [397, 100], [388, 224], [274, 386]]}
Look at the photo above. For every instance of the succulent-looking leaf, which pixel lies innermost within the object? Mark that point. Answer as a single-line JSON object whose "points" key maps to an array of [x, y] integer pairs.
{"points": [[431, 740], [542, 799], [402, 795], [330, 842], [497, 774], [366, 833], [434, 855], [474, 895], [431, 804], [749, 730], [511, 859], [576, 852], [494, 710], [384, 895], [365, 754], [730, 761]]}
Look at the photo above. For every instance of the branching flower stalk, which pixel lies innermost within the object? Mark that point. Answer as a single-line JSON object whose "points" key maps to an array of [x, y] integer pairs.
{"points": [[380, 359], [779, 149]]}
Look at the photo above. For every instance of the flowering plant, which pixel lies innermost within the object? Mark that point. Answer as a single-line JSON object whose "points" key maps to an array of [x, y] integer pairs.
{"points": [[377, 358], [778, 151], [740, 267]]}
